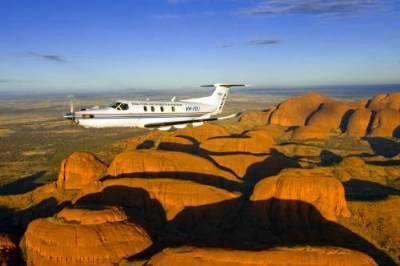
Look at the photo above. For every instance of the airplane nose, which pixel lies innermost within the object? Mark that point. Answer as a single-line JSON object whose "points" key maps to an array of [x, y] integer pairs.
{"points": [[70, 116]]}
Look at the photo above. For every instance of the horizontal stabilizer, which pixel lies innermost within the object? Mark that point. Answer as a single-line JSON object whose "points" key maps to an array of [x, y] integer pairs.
{"points": [[224, 85]]}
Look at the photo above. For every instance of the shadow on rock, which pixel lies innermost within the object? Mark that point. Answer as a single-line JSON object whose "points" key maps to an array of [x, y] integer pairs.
{"points": [[15, 222], [384, 146], [258, 226], [204, 179], [363, 190], [22, 185], [136, 202], [329, 158], [272, 165]]}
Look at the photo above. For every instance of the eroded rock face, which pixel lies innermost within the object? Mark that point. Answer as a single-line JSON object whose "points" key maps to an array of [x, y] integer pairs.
{"points": [[169, 164], [83, 237], [295, 111], [202, 133], [386, 123], [310, 132], [333, 115], [275, 131], [293, 197], [358, 123], [79, 169], [93, 216], [186, 136], [253, 142], [385, 101], [300, 256], [256, 118], [173, 195], [8, 250], [253, 167]]}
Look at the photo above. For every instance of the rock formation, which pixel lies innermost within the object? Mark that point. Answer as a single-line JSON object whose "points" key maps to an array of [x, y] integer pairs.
{"points": [[358, 123], [310, 132], [385, 101], [325, 194], [202, 133], [386, 123], [296, 111], [243, 193], [173, 195], [333, 115], [170, 164], [253, 142], [83, 237], [189, 135], [256, 118], [79, 169], [8, 251], [300, 256]]}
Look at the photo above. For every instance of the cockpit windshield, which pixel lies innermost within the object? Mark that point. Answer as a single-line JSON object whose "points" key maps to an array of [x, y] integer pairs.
{"points": [[120, 106], [115, 105]]}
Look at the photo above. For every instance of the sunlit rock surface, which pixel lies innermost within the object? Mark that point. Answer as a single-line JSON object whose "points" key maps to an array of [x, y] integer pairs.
{"points": [[295, 111], [310, 132], [386, 123], [358, 123], [83, 237], [170, 164], [385, 101], [173, 195], [326, 194], [79, 169], [324, 256]]}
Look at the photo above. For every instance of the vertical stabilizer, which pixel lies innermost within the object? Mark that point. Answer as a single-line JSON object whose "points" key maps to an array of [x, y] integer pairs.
{"points": [[219, 96]]}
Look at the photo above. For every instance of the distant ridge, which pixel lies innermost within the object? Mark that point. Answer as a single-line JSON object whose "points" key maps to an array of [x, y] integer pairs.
{"points": [[335, 91]]}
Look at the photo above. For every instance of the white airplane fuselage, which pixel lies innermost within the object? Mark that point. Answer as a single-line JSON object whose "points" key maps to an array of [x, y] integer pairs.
{"points": [[160, 114], [141, 113]]}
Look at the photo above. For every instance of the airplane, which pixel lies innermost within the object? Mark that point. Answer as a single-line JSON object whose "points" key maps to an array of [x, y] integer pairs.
{"points": [[162, 115]]}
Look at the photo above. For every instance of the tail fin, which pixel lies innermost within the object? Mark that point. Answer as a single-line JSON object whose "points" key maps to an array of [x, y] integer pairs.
{"points": [[219, 96]]}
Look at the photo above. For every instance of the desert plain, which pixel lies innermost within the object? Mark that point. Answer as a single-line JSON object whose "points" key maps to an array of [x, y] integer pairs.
{"points": [[305, 180]]}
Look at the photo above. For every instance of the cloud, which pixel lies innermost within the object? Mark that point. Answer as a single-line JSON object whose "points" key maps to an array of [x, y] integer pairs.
{"points": [[16, 80], [258, 42], [312, 7], [262, 42], [49, 57]]}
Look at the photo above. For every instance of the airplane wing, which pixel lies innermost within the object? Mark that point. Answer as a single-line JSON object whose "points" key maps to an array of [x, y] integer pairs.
{"points": [[155, 125]]}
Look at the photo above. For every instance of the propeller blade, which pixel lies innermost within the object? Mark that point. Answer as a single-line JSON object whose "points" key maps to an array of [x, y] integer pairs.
{"points": [[71, 107]]}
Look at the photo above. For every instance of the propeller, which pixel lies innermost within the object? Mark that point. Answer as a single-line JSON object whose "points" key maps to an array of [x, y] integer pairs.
{"points": [[71, 114], [71, 103]]}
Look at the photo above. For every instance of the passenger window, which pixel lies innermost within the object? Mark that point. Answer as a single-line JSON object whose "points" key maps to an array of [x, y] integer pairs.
{"points": [[153, 109], [145, 108], [173, 108], [162, 109]]}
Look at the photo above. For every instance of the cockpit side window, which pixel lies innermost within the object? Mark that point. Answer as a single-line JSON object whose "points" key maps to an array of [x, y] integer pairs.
{"points": [[120, 106]]}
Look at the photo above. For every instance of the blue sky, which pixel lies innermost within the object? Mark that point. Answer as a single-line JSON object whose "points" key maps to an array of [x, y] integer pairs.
{"points": [[63, 45]]}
